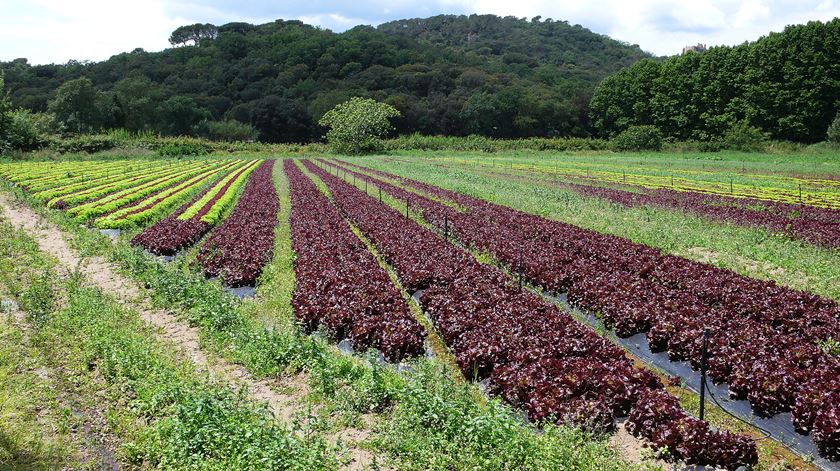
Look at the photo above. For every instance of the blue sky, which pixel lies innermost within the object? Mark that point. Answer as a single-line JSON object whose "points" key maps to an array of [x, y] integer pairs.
{"points": [[47, 31]]}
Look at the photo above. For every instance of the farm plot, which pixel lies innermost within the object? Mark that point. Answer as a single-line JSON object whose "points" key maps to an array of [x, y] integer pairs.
{"points": [[339, 284], [814, 191], [765, 338], [192, 220], [535, 356], [815, 225], [819, 226], [239, 248], [160, 203]]}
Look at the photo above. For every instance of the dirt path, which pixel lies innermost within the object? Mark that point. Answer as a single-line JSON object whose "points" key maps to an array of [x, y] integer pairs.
{"points": [[185, 338]]}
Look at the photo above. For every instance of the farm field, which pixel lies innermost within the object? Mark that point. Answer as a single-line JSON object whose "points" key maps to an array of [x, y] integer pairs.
{"points": [[427, 310]]}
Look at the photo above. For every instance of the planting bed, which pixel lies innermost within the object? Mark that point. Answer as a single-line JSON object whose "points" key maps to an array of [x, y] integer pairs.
{"points": [[535, 356], [765, 338], [239, 248], [339, 285], [192, 220]]}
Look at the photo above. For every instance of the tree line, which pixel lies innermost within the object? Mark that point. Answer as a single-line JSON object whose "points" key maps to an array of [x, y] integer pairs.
{"points": [[785, 84], [446, 75]]}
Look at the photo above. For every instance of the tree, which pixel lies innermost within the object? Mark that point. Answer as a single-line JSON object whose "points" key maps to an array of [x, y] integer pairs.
{"points": [[281, 120], [5, 117], [358, 125], [139, 99], [180, 114], [74, 105], [833, 133], [638, 138], [197, 33]]}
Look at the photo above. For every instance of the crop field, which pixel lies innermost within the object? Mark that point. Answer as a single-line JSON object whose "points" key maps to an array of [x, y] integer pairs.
{"points": [[483, 311]]}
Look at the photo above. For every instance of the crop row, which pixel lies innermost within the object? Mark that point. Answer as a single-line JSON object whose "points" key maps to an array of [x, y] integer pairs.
{"points": [[84, 190], [339, 284], [66, 176], [118, 199], [819, 226], [238, 249], [160, 203], [815, 192], [190, 222], [765, 338], [535, 356], [29, 173]]}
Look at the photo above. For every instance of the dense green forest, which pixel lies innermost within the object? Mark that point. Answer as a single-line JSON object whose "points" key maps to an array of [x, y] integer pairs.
{"points": [[786, 84], [453, 75]]}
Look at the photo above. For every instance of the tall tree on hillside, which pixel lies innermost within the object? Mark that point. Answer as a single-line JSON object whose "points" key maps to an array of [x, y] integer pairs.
{"points": [[197, 33], [139, 100], [281, 120], [5, 115], [74, 106], [180, 114]]}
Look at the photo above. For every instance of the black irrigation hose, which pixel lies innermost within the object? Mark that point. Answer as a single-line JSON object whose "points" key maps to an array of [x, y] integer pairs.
{"points": [[765, 432]]}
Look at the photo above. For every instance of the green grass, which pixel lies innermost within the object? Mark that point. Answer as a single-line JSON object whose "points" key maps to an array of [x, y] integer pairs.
{"points": [[729, 163], [752, 252], [36, 427]]}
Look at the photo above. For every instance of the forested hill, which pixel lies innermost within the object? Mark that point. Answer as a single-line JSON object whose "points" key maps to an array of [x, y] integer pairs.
{"points": [[574, 49], [455, 75]]}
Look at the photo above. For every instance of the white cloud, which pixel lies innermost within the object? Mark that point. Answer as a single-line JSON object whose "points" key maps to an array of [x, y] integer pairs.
{"points": [[751, 12], [333, 21], [56, 31], [83, 30]]}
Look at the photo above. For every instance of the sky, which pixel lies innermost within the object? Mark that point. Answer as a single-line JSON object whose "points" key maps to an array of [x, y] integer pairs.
{"points": [[56, 31]]}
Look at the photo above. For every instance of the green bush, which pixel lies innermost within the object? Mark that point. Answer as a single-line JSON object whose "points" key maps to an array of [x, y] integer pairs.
{"points": [[743, 137], [228, 131], [358, 126], [22, 133], [638, 138], [87, 143], [833, 133]]}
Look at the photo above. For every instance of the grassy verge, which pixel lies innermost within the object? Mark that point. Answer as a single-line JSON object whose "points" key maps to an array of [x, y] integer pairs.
{"points": [[739, 165]]}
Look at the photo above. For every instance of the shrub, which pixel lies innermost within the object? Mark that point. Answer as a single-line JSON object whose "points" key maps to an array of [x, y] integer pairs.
{"points": [[183, 148], [88, 143], [638, 138], [833, 134], [22, 133], [743, 137], [228, 130], [358, 126]]}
